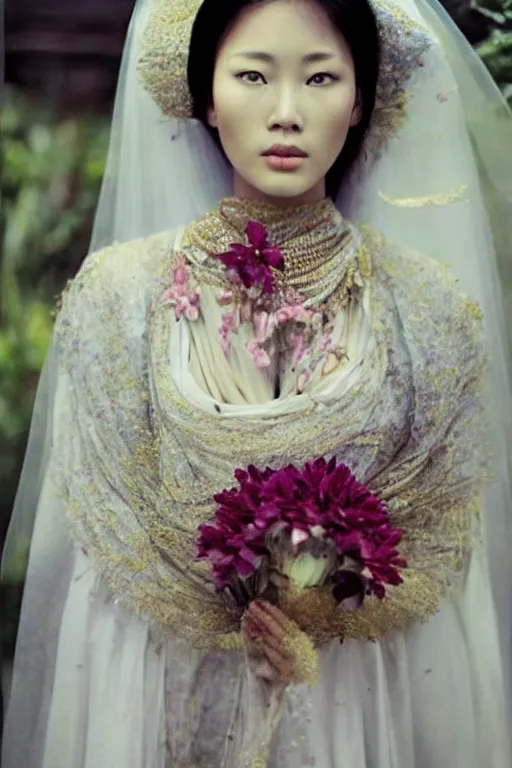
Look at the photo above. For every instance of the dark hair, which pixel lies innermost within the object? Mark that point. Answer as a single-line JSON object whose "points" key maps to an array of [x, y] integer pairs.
{"points": [[354, 19]]}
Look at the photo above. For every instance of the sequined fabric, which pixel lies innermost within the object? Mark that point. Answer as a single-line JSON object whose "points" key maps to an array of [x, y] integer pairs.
{"points": [[150, 459], [320, 249]]}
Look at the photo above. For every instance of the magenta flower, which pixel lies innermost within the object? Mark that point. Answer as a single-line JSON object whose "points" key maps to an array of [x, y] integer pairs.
{"points": [[382, 559], [252, 264], [319, 507], [348, 585]]}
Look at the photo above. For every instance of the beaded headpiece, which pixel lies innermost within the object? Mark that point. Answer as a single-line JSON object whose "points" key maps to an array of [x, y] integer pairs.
{"points": [[162, 63]]}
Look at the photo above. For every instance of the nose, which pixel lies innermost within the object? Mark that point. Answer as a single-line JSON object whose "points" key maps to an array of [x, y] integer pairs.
{"points": [[285, 115]]}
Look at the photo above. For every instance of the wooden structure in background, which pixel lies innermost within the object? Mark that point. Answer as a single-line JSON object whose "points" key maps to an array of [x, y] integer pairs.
{"points": [[66, 52]]}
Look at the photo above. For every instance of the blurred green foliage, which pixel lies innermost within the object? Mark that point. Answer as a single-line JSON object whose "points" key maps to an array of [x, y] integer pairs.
{"points": [[49, 183], [496, 51]]}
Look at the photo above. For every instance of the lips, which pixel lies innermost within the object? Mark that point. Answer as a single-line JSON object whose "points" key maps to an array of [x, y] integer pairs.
{"points": [[280, 150]]}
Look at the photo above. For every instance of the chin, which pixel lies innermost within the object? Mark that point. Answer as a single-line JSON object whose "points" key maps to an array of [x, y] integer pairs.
{"points": [[289, 189]]}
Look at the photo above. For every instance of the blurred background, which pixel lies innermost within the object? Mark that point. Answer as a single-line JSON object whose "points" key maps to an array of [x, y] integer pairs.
{"points": [[61, 63]]}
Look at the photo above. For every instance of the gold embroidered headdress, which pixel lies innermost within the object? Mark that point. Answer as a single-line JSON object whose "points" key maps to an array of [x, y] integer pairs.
{"points": [[162, 63]]}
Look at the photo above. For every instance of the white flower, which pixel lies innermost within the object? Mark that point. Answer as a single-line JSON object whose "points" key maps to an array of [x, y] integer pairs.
{"points": [[305, 570]]}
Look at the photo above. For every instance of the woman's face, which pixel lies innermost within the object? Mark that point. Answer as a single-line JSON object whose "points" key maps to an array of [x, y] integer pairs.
{"points": [[284, 84]]}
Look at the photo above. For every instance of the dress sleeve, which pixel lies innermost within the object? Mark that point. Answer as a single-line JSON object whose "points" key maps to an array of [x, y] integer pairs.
{"points": [[433, 486], [103, 427]]}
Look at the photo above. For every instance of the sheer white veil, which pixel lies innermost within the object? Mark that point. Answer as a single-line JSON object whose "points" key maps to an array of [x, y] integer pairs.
{"points": [[443, 186]]}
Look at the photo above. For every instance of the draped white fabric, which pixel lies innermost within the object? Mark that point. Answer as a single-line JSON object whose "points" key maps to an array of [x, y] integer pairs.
{"points": [[430, 697], [115, 696]]}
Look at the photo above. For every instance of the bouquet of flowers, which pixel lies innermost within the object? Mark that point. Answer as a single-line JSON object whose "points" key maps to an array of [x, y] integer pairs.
{"points": [[310, 528]]}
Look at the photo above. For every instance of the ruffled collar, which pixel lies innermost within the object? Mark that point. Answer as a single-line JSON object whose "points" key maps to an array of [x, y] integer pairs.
{"points": [[319, 248]]}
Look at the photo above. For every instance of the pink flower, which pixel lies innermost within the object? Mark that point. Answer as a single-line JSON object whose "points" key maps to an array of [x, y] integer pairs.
{"points": [[283, 315], [382, 559], [184, 300], [251, 265], [188, 306], [229, 325], [225, 297], [229, 321], [295, 312], [260, 356], [181, 275]]}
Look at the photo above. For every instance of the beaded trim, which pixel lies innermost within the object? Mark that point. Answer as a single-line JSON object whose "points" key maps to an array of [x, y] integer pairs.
{"points": [[321, 251]]}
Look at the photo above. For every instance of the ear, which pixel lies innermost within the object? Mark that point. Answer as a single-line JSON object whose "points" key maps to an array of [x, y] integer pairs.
{"points": [[211, 116], [357, 111]]}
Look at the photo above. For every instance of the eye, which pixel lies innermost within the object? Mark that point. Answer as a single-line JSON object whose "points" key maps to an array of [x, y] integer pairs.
{"points": [[322, 78], [255, 78]]}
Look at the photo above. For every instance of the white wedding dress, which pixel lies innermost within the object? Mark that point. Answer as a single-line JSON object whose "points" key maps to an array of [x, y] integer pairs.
{"points": [[100, 680], [119, 694]]}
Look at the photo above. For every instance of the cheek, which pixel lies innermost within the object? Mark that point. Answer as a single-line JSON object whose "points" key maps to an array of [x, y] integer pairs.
{"points": [[230, 98], [238, 138], [232, 113], [337, 119]]}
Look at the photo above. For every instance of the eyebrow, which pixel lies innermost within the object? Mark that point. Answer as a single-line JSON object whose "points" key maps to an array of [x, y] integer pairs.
{"points": [[309, 58]]}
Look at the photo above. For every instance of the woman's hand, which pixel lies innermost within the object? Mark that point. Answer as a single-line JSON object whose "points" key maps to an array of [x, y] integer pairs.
{"points": [[271, 641]]}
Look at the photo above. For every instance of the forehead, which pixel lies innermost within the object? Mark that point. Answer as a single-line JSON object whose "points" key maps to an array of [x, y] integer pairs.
{"points": [[283, 25]]}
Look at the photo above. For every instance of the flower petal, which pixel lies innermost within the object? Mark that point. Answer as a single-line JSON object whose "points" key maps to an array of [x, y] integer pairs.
{"points": [[347, 584], [274, 258], [257, 234], [299, 536]]}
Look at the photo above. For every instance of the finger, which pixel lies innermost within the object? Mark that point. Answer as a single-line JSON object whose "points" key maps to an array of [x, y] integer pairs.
{"points": [[256, 627], [279, 662], [258, 614], [251, 628], [275, 613], [258, 617], [274, 642], [265, 671], [253, 642]]}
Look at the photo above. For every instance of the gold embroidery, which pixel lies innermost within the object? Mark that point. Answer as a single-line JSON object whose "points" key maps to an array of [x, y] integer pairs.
{"points": [[448, 198], [321, 252], [300, 648], [149, 461]]}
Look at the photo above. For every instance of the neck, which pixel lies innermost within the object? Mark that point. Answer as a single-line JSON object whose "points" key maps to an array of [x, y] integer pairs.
{"points": [[245, 191]]}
